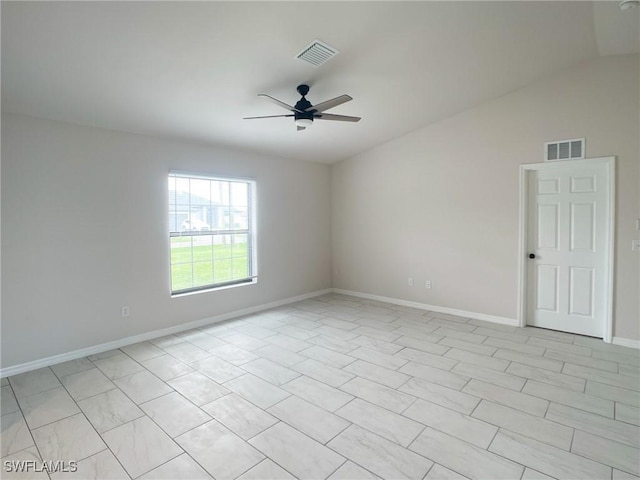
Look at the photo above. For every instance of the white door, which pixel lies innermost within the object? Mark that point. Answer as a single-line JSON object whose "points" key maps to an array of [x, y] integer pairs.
{"points": [[568, 248]]}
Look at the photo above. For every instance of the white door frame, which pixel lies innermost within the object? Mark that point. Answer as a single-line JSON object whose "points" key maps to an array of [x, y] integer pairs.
{"points": [[523, 235]]}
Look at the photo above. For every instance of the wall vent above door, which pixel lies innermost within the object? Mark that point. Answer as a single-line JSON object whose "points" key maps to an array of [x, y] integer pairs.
{"points": [[564, 150], [317, 53]]}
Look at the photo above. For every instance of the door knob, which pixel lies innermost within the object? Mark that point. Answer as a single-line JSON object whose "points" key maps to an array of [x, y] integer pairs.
{"points": [[532, 255]]}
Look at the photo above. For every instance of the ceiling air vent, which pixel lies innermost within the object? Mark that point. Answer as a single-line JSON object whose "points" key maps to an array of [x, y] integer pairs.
{"points": [[564, 150], [317, 53]]}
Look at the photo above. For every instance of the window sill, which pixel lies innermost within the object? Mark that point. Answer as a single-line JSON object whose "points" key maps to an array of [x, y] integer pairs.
{"points": [[214, 289]]}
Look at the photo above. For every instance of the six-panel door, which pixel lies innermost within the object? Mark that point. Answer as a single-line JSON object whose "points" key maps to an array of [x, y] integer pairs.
{"points": [[567, 233]]}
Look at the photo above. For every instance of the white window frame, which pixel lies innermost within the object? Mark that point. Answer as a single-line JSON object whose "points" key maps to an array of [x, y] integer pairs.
{"points": [[250, 231]]}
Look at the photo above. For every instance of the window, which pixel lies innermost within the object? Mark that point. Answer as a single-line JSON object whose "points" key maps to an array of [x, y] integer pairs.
{"points": [[211, 232]]}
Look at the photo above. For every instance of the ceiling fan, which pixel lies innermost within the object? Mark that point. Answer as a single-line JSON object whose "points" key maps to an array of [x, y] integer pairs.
{"points": [[304, 113]]}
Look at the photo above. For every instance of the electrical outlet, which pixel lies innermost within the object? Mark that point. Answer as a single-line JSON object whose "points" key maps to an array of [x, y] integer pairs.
{"points": [[427, 284], [635, 245], [125, 311], [410, 282]]}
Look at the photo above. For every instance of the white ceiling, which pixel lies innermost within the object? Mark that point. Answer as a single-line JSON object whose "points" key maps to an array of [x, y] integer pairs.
{"points": [[193, 70]]}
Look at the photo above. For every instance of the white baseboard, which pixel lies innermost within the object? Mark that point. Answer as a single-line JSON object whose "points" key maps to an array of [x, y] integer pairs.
{"points": [[433, 308], [626, 342], [103, 347]]}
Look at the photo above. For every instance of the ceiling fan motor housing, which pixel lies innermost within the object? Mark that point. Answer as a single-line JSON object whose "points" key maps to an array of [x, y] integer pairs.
{"points": [[303, 104]]}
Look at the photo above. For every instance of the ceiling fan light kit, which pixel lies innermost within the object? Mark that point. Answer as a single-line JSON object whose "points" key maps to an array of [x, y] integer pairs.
{"points": [[304, 122], [304, 113]]}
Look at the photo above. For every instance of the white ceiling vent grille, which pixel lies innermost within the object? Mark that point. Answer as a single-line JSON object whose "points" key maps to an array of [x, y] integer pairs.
{"points": [[317, 53], [564, 150]]}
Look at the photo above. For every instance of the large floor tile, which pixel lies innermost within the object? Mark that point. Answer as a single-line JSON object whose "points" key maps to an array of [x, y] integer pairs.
{"points": [[109, 410], [375, 344], [186, 352], [607, 451], [516, 421], [287, 342], [627, 414], [217, 369], [33, 382], [453, 423], [520, 401], [272, 372], [142, 386], [372, 392], [14, 434], [181, 467], [547, 376], [174, 413], [257, 391], [234, 354], [308, 418], [438, 394], [219, 451], [392, 362], [118, 366], [572, 398], [462, 457], [323, 373], [617, 394], [205, 341], [317, 393], [266, 470], [591, 362], [595, 424], [101, 466], [280, 355], [72, 366], [438, 472], [297, 453], [350, 471], [245, 341], [142, 351], [426, 358], [492, 363], [10, 470], [514, 346], [531, 360], [141, 446], [378, 455], [608, 378], [8, 402], [47, 407], [389, 425], [328, 356], [67, 439], [87, 384], [501, 379], [332, 343], [198, 388], [435, 375], [544, 458], [428, 346], [240, 416], [376, 373], [166, 367]]}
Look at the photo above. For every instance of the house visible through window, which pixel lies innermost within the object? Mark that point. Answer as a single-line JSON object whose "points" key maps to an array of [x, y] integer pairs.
{"points": [[211, 230]]}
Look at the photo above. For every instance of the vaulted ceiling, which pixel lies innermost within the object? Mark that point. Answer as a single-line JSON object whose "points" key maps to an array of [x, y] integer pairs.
{"points": [[192, 70]]}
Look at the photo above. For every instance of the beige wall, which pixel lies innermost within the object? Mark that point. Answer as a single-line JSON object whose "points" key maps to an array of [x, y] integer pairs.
{"points": [[441, 203], [84, 232]]}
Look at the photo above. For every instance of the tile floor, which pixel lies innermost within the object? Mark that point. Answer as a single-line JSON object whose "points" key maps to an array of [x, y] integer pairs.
{"points": [[335, 387]]}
